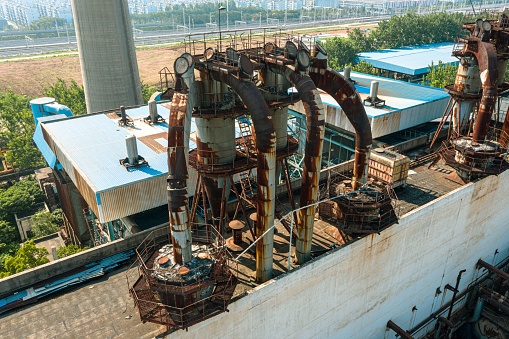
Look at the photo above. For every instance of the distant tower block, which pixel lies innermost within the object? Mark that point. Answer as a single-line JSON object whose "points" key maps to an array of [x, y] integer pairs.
{"points": [[107, 55]]}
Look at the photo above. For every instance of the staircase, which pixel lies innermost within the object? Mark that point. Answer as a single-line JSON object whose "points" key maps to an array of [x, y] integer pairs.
{"points": [[247, 139], [248, 185]]}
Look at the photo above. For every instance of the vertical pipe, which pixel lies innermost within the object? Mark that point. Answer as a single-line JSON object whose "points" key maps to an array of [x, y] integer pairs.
{"points": [[347, 97], [152, 109], [487, 59], [458, 279], [177, 181], [132, 149], [265, 171], [347, 72], [478, 310], [373, 91], [315, 130]]}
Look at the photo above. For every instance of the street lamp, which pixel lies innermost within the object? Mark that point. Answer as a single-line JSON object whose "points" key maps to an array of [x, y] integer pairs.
{"points": [[219, 23]]}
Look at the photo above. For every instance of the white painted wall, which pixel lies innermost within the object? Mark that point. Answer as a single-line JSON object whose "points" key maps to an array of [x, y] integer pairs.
{"points": [[353, 291]]}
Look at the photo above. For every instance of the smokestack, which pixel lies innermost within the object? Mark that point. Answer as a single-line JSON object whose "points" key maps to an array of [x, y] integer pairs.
{"points": [[103, 30], [132, 149], [152, 109], [373, 91]]}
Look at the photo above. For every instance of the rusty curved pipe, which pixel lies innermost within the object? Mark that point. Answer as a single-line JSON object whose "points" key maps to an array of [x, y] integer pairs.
{"points": [[266, 168], [176, 182], [504, 135], [347, 97], [486, 56], [315, 130]]}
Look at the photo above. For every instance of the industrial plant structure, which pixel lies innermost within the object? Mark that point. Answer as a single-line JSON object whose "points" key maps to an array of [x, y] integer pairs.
{"points": [[381, 245]]}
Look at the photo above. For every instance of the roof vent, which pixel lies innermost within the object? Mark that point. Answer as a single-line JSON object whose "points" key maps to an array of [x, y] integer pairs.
{"points": [[153, 116], [133, 159], [346, 73], [372, 99], [125, 120]]}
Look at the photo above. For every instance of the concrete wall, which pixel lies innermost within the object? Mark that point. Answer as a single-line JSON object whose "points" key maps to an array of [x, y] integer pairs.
{"points": [[353, 291], [50, 270]]}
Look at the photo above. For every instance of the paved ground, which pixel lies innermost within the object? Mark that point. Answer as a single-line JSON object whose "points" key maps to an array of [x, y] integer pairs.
{"points": [[96, 310]]}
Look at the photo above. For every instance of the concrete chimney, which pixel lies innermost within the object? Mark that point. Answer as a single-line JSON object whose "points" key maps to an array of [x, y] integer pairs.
{"points": [[107, 56]]}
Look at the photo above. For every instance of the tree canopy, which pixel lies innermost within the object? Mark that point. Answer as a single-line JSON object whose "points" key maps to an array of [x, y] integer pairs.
{"points": [[19, 198], [399, 31], [27, 256], [72, 95], [47, 23], [65, 251], [440, 76], [45, 223], [17, 127]]}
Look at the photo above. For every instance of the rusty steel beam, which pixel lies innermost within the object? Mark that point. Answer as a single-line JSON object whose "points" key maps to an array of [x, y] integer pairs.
{"points": [[402, 333], [504, 135], [266, 168], [315, 130], [493, 269], [177, 181], [347, 97], [486, 56]]}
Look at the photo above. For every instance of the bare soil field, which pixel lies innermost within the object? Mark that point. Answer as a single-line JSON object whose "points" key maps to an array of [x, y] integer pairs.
{"points": [[30, 76]]}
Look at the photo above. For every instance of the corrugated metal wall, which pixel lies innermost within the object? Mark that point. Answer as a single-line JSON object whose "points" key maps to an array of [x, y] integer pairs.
{"points": [[131, 199]]}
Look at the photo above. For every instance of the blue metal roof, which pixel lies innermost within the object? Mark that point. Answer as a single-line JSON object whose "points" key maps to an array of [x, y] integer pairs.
{"points": [[399, 95], [413, 60], [94, 144]]}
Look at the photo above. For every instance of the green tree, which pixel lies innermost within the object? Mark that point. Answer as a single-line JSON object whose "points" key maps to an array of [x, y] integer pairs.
{"points": [[72, 95], [27, 256], [147, 91], [47, 23], [364, 67], [440, 76], [65, 251], [361, 42], [340, 52], [45, 223], [16, 129], [9, 241], [19, 198]]}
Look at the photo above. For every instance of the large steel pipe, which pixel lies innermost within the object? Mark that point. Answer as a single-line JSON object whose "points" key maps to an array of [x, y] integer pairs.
{"points": [[467, 81], [315, 130], [215, 139], [178, 205], [347, 97], [487, 60], [266, 168]]}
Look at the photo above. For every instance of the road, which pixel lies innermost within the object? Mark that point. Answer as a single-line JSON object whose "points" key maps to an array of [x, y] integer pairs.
{"points": [[35, 46], [30, 46]]}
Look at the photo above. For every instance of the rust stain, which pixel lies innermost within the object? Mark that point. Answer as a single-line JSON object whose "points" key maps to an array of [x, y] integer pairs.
{"points": [[346, 96]]}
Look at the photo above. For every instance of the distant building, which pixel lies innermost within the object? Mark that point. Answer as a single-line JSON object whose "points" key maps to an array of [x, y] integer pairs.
{"points": [[3, 23], [409, 63]]}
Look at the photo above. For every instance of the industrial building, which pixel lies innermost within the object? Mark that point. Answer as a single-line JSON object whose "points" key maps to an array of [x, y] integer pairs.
{"points": [[409, 63], [379, 246], [87, 150]]}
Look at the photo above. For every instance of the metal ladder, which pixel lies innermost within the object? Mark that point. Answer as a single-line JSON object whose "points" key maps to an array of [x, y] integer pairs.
{"points": [[248, 141], [248, 191]]}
